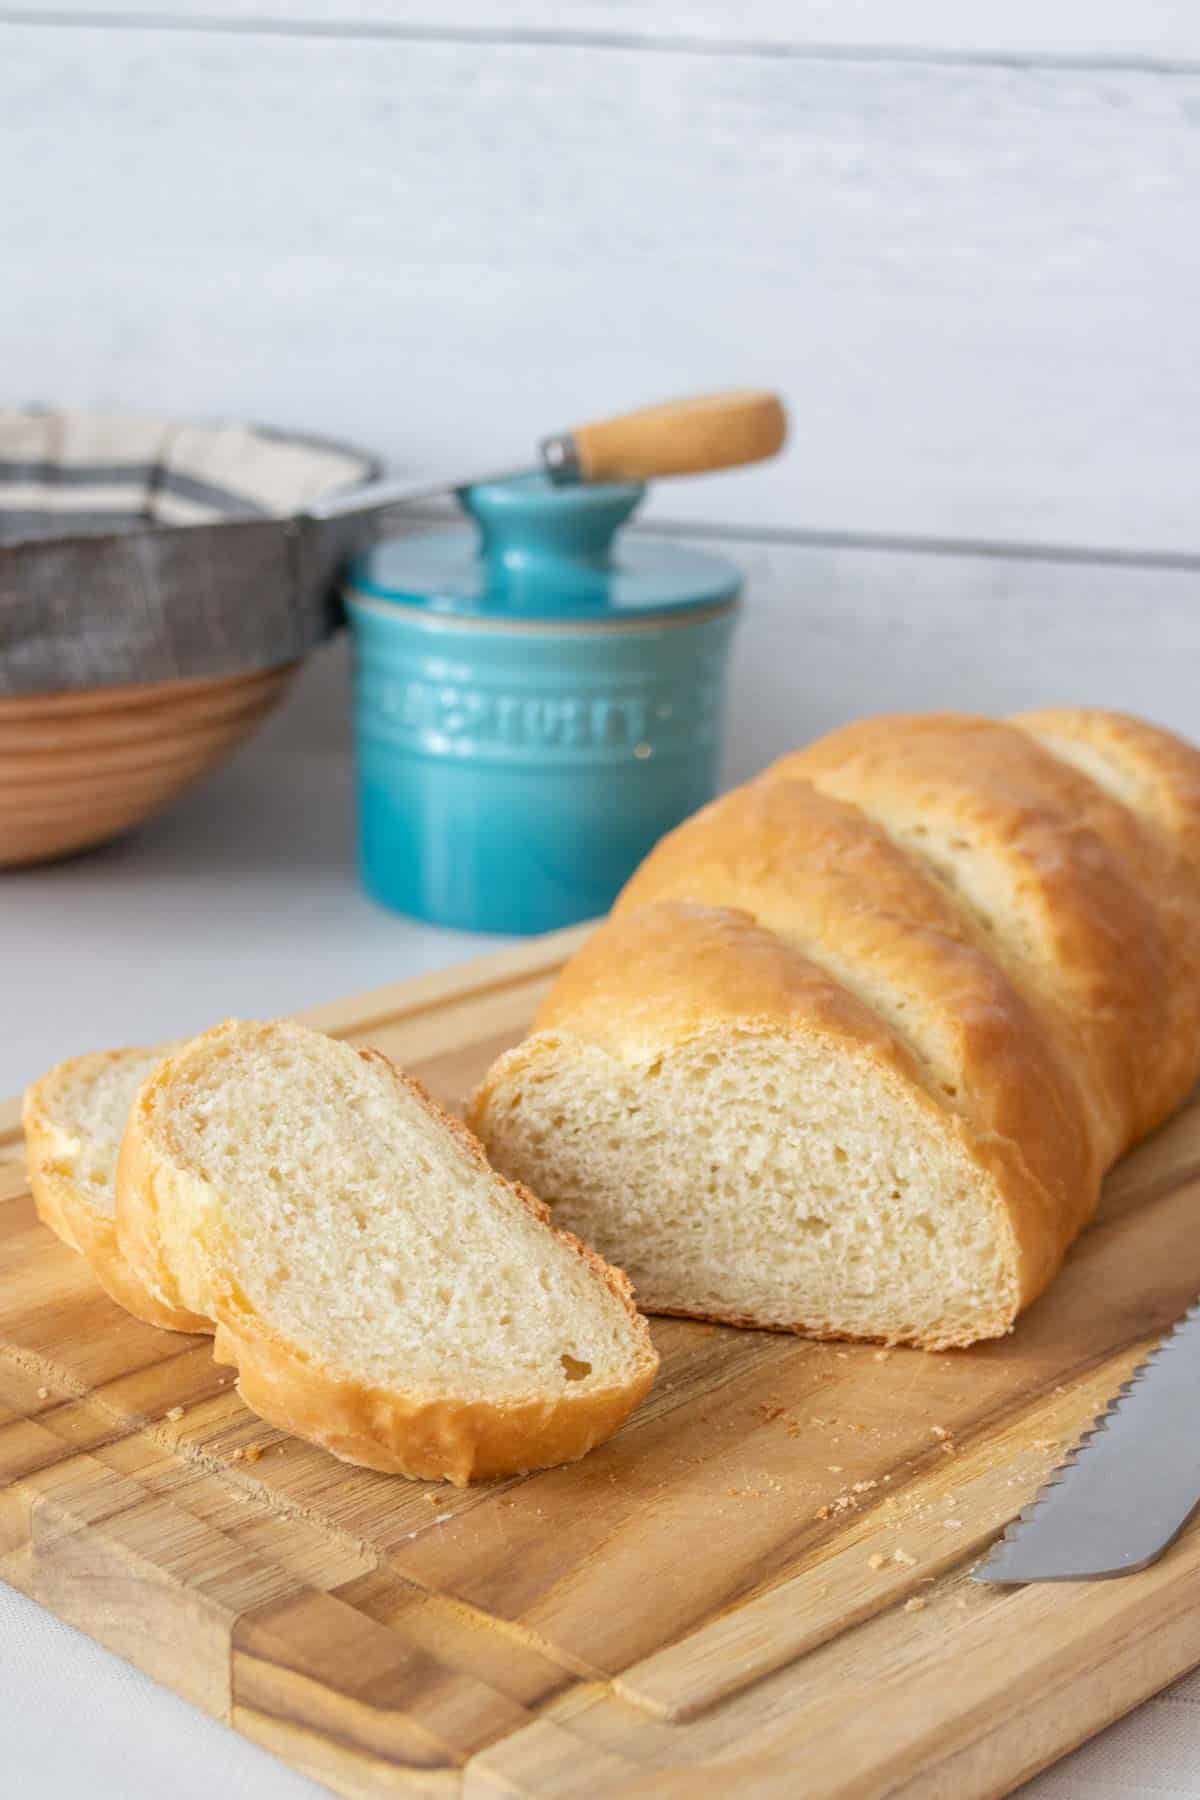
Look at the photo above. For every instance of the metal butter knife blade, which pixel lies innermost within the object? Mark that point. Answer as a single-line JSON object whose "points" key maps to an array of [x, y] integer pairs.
{"points": [[679, 437], [1128, 1487]]}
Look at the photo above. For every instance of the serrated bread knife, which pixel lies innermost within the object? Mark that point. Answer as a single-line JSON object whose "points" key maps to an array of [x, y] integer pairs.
{"points": [[1129, 1486]]}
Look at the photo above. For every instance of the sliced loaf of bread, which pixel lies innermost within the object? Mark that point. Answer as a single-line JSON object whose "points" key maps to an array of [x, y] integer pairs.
{"points": [[380, 1289], [861, 1038], [74, 1119]]}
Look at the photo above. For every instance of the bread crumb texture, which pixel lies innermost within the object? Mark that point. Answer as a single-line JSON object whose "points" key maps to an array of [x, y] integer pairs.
{"points": [[364, 1229], [85, 1103], [758, 1179]]}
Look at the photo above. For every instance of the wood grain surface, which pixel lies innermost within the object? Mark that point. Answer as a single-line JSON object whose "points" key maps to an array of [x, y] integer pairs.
{"points": [[765, 1573]]}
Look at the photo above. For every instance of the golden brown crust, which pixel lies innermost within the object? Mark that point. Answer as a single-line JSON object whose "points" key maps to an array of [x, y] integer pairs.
{"points": [[658, 976], [66, 1208], [408, 1433], [1156, 773], [1066, 993], [994, 1325], [1071, 920]]}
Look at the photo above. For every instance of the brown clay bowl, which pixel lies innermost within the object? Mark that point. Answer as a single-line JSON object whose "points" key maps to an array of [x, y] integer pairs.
{"points": [[77, 769]]}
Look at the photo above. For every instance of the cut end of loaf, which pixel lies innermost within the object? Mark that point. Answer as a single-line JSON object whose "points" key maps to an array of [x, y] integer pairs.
{"points": [[759, 1178]]}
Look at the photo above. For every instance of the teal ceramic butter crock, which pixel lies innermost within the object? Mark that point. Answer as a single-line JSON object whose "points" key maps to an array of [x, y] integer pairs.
{"points": [[536, 703]]}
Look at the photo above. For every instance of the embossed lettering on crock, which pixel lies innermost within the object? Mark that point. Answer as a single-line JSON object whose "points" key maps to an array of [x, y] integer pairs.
{"points": [[442, 713]]}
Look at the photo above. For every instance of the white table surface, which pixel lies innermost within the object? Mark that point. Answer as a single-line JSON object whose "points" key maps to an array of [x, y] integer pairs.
{"points": [[243, 900]]}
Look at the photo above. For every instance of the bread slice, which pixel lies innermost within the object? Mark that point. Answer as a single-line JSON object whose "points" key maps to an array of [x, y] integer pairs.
{"points": [[381, 1290], [74, 1119]]}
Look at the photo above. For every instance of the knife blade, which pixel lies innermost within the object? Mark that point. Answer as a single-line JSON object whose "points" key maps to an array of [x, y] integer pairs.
{"points": [[1128, 1487]]}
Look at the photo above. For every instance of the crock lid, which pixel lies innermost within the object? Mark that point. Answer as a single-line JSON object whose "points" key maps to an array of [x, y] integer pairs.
{"points": [[543, 552]]}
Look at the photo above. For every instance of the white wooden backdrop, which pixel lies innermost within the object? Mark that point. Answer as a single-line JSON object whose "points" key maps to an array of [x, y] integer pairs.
{"points": [[963, 238]]}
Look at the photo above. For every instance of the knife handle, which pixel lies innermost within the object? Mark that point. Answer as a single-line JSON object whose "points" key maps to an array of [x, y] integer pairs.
{"points": [[680, 437]]}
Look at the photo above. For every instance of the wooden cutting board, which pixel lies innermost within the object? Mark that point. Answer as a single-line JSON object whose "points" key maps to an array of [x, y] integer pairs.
{"points": [[759, 1587]]}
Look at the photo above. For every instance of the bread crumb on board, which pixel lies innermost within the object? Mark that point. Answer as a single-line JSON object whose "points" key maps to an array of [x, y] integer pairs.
{"points": [[876, 1561], [174, 1413], [43, 1393], [916, 1604], [902, 1556]]}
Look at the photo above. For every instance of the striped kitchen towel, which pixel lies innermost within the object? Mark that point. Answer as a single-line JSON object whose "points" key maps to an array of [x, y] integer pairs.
{"points": [[136, 549]]}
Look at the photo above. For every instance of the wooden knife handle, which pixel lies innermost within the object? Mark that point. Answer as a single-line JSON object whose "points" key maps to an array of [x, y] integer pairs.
{"points": [[680, 437]]}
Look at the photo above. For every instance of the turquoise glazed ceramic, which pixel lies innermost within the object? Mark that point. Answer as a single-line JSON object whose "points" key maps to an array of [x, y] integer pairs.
{"points": [[535, 705]]}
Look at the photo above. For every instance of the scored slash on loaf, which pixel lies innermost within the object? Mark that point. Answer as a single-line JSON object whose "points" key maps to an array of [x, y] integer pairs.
{"points": [[861, 1038]]}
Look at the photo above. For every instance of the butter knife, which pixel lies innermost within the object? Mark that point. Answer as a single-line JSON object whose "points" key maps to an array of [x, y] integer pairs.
{"points": [[678, 437]]}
